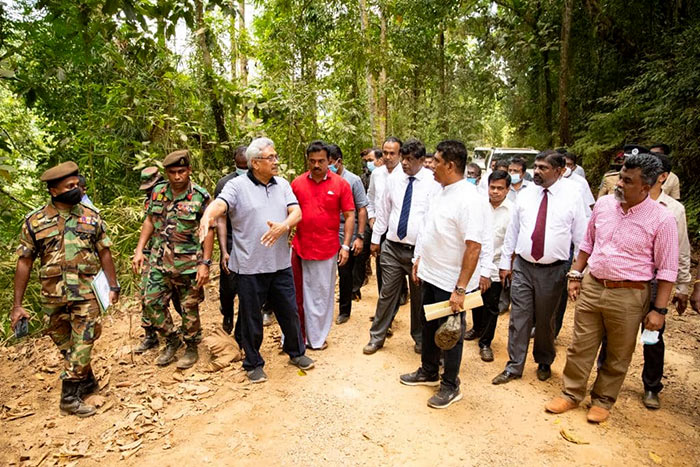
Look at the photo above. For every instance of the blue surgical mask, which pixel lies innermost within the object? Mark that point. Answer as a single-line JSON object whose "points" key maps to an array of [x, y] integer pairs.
{"points": [[241, 171], [514, 178], [471, 180], [333, 168], [371, 166]]}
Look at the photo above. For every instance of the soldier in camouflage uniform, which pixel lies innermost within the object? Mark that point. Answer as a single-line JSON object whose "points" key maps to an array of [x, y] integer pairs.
{"points": [[71, 241], [178, 264], [150, 177]]}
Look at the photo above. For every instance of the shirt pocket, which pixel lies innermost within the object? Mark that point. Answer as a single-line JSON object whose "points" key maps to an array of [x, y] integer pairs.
{"points": [[48, 237], [51, 278]]}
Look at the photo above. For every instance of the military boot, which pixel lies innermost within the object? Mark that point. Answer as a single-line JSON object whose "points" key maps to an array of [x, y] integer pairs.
{"points": [[167, 355], [150, 340], [71, 403], [88, 385], [189, 358]]}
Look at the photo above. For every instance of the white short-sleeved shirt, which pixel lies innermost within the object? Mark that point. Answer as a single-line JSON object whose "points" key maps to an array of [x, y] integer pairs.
{"points": [[456, 214]]}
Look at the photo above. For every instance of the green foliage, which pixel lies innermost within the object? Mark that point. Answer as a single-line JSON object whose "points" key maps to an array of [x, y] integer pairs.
{"points": [[117, 84]]}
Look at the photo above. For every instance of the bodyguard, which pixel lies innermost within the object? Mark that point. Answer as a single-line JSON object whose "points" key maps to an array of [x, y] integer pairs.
{"points": [[71, 240], [178, 265]]}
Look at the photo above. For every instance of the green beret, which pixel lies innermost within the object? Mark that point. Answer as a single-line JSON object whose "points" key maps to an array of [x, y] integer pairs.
{"points": [[149, 177], [60, 171], [179, 158]]}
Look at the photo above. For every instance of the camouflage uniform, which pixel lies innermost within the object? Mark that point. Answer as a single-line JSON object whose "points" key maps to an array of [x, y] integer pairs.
{"points": [[173, 262], [68, 244]]}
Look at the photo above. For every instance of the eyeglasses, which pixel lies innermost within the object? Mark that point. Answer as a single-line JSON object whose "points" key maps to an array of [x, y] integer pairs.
{"points": [[269, 158]]}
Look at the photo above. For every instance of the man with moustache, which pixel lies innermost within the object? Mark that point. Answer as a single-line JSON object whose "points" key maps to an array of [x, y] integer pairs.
{"points": [[178, 264], [400, 216], [316, 250], [547, 218], [631, 239]]}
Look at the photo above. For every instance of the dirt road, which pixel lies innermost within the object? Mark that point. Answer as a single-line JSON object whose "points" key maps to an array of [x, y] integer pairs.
{"points": [[349, 410]]}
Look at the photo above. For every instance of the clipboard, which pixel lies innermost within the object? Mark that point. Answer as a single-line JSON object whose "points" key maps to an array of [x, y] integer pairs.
{"points": [[100, 286], [442, 309]]}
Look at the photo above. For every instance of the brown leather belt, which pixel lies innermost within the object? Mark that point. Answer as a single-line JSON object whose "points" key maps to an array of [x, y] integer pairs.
{"points": [[621, 284]]}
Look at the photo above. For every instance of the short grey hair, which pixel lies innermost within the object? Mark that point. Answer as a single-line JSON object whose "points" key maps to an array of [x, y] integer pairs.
{"points": [[649, 164], [255, 148]]}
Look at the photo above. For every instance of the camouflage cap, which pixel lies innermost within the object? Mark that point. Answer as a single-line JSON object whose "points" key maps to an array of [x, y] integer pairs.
{"points": [[149, 177], [179, 158], [60, 171]]}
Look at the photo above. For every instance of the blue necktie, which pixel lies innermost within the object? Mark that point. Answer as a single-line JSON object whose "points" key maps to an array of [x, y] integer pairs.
{"points": [[405, 209]]}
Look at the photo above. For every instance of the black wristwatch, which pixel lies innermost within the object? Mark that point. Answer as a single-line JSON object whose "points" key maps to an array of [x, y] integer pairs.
{"points": [[361, 236], [116, 289], [206, 262], [662, 311]]}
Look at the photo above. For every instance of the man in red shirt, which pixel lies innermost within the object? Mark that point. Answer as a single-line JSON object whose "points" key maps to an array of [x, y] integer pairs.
{"points": [[322, 196]]}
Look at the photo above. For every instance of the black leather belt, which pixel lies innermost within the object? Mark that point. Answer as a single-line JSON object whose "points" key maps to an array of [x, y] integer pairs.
{"points": [[404, 246]]}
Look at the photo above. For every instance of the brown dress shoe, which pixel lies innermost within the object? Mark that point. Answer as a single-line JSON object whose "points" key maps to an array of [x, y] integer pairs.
{"points": [[597, 414], [560, 405]]}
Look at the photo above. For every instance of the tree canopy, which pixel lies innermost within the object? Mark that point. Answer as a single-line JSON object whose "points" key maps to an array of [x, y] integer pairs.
{"points": [[116, 84]]}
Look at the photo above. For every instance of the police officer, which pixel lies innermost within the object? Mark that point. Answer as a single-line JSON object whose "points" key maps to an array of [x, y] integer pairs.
{"points": [[71, 241], [150, 177], [607, 185], [178, 264]]}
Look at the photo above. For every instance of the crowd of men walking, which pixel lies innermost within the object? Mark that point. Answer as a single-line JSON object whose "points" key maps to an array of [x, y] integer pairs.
{"points": [[439, 227]]}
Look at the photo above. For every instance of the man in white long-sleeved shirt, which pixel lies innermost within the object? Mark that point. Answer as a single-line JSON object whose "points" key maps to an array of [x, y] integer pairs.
{"points": [[547, 218], [446, 261], [400, 215], [377, 186], [485, 317]]}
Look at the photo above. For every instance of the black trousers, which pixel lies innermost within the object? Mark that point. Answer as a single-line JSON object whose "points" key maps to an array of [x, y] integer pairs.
{"points": [[228, 289], [564, 297], [345, 285], [277, 289], [486, 317], [430, 355], [359, 270]]}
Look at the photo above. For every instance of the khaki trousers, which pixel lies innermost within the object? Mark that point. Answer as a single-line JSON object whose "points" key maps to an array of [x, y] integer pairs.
{"points": [[617, 313]]}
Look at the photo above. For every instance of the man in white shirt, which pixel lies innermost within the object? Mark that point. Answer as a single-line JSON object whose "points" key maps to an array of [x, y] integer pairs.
{"points": [[572, 162], [446, 259], [377, 185], [571, 174], [547, 218], [400, 215], [517, 168], [485, 317]]}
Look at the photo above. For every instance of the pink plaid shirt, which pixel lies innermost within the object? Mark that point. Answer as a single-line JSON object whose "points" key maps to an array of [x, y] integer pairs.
{"points": [[636, 246]]}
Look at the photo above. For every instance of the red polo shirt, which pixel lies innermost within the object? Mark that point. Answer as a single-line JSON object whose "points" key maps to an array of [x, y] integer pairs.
{"points": [[321, 204]]}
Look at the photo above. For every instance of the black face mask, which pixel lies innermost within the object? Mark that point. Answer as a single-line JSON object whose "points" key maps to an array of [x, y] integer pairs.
{"points": [[70, 197]]}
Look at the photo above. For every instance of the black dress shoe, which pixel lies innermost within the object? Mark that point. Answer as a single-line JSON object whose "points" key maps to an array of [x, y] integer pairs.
{"points": [[371, 348], [471, 335], [544, 372], [504, 377], [227, 325], [651, 400], [342, 319], [486, 354]]}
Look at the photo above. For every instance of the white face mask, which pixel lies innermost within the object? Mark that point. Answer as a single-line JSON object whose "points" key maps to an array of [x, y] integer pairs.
{"points": [[567, 172]]}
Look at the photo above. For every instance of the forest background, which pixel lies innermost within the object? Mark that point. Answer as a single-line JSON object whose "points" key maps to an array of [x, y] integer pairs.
{"points": [[116, 84]]}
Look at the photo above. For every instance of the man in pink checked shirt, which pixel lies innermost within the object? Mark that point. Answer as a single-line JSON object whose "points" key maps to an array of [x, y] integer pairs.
{"points": [[630, 240]]}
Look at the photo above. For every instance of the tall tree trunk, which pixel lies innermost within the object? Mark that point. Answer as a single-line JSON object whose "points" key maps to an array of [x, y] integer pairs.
{"points": [[442, 119], [369, 77], [217, 107], [242, 45], [233, 34], [416, 106], [383, 102], [548, 97], [564, 130]]}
